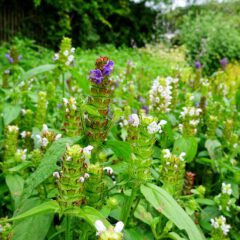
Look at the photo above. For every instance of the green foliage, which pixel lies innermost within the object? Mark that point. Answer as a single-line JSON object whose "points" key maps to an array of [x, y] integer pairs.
{"points": [[165, 204], [210, 37]]}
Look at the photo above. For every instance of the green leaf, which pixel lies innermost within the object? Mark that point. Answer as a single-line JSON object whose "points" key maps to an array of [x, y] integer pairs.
{"points": [[121, 149], [10, 113], [34, 227], [175, 236], [214, 148], [89, 214], [46, 207], [189, 145], [142, 214], [137, 234], [48, 165], [38, 70], [15, 184], [164, 203]]}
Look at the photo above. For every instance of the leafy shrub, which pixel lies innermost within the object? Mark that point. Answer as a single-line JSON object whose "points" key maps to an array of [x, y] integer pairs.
{"points": [[211, 37]]}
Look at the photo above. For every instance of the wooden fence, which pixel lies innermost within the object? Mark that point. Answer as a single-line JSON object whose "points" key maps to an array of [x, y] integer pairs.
{"points": [[10, 22]]}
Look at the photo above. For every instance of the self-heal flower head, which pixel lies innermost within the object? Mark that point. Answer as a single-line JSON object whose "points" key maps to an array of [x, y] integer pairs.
{"points": [[107, 69], [96, 76], [219, 223], [153, 128], [227, 189]]}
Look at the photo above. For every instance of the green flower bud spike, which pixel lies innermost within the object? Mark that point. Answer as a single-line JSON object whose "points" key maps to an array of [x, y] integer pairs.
{"points": [[27, 119], [94, 187], [72, 177], [41, 110], [172, 172], [72, 121], [10, 146]]}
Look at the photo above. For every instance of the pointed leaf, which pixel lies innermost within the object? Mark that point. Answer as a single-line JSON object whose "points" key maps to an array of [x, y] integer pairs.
{"points": [[165, 204]]}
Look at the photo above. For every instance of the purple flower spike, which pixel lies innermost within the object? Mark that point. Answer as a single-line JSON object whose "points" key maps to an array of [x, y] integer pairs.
{"points": [[223, 63], [107, 69], [198, 65], [10, 59], [96, 76]]}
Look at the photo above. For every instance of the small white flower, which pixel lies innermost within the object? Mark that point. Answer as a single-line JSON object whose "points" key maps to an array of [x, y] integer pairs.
{"points": [[44, 142], [70, 58], [45, 128], [65, 101], [100, 227], [182, 155], [65, 53], [72, 50], [68, 158], [23, 134], [56, 174], [56, 57], [87, 151], [162, 122], [119, 227], [227, 189], [67, 63], [166, 153], [81, 179], [225, 228], [214, 223], [153, 128], [86, 175], [58, 137], [235, 145], [109, 170]]}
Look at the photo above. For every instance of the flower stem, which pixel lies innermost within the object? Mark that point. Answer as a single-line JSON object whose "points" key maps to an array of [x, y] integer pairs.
{"points": [[127, 206], [68, 233], [63, 85]]}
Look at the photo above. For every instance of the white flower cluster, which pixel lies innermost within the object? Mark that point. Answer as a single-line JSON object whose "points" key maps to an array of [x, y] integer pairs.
{"points": [[22, 154], [134, 120], [101, 228], [42, 139], [156, 127], [67, 54], [190, 115], [227, 189], [70, 103], [220, 223], [192, 112], [161, 94], [168, 155], [12, 128]]}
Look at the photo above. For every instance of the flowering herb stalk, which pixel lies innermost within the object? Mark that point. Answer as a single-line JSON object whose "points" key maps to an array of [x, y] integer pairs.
{"points": [[98, 123], [41, 111]]}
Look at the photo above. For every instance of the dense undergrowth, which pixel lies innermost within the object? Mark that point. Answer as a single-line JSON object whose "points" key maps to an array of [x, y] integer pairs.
{"points": [[139, 147]]}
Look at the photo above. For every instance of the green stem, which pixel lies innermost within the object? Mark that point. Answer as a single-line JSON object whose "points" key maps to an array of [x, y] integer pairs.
{"points": [[68, 233], [63, 85], [127, 206]]}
